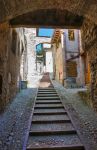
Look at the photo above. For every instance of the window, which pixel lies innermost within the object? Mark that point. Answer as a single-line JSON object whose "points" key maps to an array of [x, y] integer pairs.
{"points": [[39, 49], [71, 35]]}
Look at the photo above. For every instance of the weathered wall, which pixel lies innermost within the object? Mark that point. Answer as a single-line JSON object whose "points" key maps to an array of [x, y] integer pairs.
{"points": [[4, 50], [89, 41], [75, 11], [10, 55], [49, 61], [58, 62], [24, 58], [67, 50], [13, 64], [32, 41], [13, 8], [72, 49], [72, 46], [16, 54]]}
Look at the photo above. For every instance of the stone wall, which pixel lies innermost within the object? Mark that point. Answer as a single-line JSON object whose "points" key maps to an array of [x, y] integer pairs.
{"points": [[4, 50], [10, 55], [89, 41], [58, 59], [49, 61], [17, 48], [24, 59], [89, 34], [66, 10], [59, 64]]}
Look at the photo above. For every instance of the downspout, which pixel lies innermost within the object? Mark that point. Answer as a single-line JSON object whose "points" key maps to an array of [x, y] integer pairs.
{"points": [[63, 55]]}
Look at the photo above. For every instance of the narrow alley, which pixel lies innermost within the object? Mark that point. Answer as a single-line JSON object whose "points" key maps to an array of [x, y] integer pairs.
{"points": [[48, 75]]}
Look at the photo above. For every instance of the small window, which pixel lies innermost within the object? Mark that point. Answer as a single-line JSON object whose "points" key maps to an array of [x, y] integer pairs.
{"points": [[71, 35], [39, 49], [40, 52]]}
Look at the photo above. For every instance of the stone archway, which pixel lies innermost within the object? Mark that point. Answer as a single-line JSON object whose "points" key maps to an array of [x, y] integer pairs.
{"points": [[48, 18], [55, 13], [13, 8]]}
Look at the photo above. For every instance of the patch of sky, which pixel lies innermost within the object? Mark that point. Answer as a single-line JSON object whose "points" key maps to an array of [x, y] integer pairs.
{"points": [[45, 32]]}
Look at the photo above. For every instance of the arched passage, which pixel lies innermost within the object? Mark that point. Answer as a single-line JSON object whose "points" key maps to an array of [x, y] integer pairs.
{"points": [[11, 9], [64, 14], [48, 18]]}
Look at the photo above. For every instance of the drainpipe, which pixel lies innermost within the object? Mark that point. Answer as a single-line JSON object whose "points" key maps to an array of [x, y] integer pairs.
{"points": [[82, 67], [53, 55], [63, 55]]}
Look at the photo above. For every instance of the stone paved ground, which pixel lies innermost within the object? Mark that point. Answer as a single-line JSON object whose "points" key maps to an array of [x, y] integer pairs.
{"points": [[84, 117], [14, 121]]}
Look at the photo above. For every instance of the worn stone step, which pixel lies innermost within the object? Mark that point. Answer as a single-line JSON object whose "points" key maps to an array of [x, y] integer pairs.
{"points": [[44, 89], [53, 110], [47, 95], [54, 142], [51, 121], [52, 127], [49, 113], [48, 105], [46, 92], [48, 102], [66, 147], [52, 132], [48, 98], [49, 88], [45, 101], [50, 117]]}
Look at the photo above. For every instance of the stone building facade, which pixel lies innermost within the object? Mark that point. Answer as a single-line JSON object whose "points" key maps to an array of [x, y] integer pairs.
{"points": [[89, 41], [32, 41], [10, 54], [81, 14], [69, 68], [49, 61], [24, 62], [57, 49]]}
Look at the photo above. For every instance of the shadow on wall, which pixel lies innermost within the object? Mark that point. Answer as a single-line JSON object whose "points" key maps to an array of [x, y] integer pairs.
{"points": [[0, 84]]}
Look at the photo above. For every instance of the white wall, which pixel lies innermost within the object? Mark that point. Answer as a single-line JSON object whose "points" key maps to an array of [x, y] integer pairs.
{"points": [[72, 46], [32, 41], [49, 62]]}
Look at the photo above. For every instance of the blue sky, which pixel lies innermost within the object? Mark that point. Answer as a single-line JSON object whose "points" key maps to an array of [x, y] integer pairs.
{"points": [[45, 32]]}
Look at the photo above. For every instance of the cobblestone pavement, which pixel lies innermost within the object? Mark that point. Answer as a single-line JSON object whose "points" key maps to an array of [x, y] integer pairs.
{"points": [[84, 117], [14, 121]]}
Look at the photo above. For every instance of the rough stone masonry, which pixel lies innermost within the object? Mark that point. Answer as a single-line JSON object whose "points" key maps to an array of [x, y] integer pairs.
{"points": [[89, 40], [79, 14]]}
